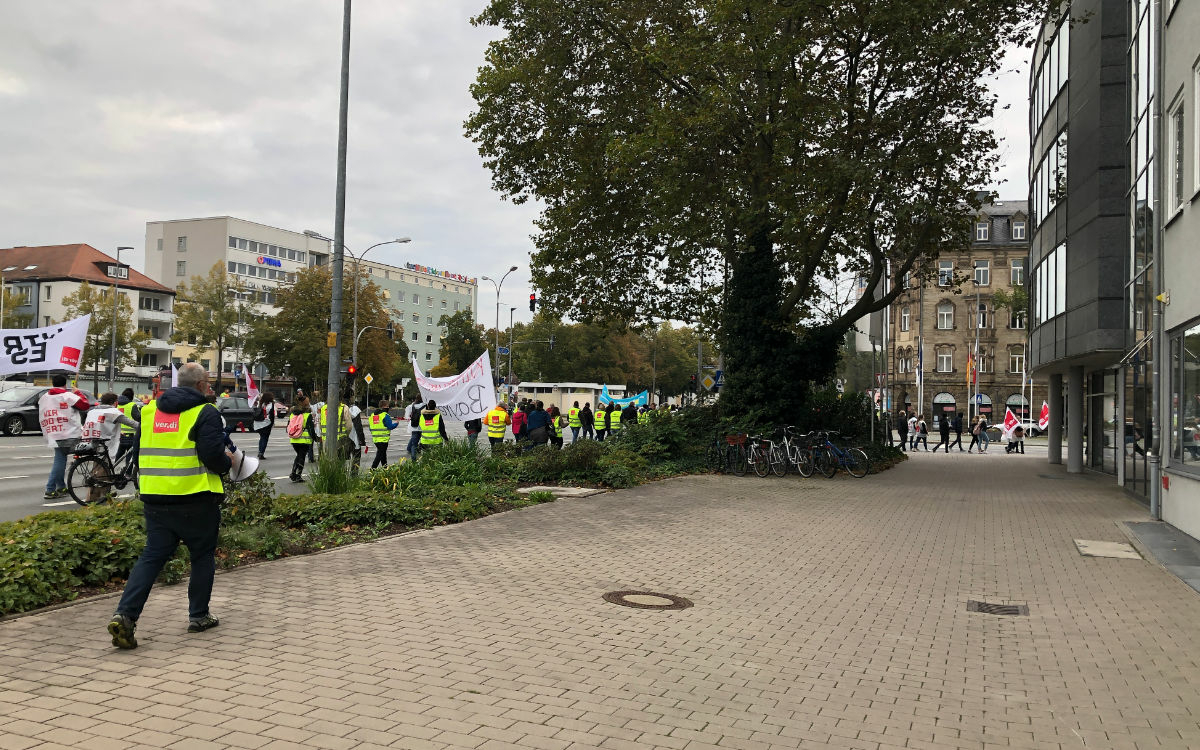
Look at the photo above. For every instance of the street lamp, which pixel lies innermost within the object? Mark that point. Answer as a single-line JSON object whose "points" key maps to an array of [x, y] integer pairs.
{"points": [[112, 354], [359, 257], [502, 278]]}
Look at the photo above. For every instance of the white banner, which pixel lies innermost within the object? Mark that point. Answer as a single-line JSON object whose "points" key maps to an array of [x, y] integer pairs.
{"points": [[467, 395], [56, 347]]}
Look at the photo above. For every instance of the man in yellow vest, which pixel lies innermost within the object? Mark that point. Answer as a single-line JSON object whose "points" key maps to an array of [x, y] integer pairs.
{"points": [[132, 409], [614, 419], [574, 422], [601, 421], [381, 424], [496, 420], [181, 457], [433, 428]]}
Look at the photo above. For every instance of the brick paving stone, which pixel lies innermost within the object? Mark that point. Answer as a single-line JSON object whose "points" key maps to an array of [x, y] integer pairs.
{"points": [[828, 613]]}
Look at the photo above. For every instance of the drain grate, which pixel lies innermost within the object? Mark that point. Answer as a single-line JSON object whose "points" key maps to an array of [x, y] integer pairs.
{"points": [[646, 600], [988, 608]]}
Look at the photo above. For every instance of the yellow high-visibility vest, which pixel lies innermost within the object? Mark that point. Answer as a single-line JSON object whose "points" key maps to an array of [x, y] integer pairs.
{"points": [[342, 430], [495, 420], [431, 432], [573, 418], [167, 460], [305, 438], [127, 410], [601, 419], [614, 421], [379, 432]]}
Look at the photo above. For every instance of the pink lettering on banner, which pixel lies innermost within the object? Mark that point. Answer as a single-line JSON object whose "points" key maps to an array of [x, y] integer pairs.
{"points": [[70, 356]]}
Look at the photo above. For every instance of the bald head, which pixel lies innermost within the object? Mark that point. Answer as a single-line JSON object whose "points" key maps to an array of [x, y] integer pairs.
{"points": [[191, 374]]}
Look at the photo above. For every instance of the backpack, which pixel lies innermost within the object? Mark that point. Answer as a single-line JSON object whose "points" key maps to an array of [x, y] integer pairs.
{"points": [[295, 426]]}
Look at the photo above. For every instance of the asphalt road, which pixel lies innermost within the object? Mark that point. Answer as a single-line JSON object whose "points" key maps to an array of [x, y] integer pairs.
{"points": [[25, 464]]}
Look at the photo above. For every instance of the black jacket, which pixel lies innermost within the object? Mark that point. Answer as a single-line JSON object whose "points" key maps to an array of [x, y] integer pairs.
{"points": [[208, 434]]}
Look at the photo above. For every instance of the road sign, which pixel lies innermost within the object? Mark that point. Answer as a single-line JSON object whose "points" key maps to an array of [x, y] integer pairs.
{"points": [[368, 379], [720, 376], [502, 350], [708, 382]]}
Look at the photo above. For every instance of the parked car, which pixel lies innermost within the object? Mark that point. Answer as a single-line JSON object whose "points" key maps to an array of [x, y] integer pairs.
{"points": [[19, 409], [235, 408]]}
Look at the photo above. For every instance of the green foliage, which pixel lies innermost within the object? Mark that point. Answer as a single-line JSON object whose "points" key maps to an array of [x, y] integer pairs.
{"points": [[248, 500], [216, 311], [541, 496], [98, 302], [44, 558], [461, 345], [332, 476]]}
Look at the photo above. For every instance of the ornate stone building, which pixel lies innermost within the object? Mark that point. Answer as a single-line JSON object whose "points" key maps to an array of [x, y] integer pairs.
{"points": [[935, 327]]}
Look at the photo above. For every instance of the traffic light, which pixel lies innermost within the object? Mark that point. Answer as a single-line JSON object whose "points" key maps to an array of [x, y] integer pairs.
{"points": [[693, 382], [532, 302], [349, 371]]}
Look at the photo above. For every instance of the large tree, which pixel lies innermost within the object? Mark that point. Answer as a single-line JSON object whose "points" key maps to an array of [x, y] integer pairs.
{"points": [[462, 343], [717, 162], [216, 312], [98, 302]]}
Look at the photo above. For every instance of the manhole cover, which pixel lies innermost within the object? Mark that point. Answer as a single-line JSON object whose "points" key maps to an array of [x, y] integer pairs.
{"points": [[988, 608], [646, 600]]}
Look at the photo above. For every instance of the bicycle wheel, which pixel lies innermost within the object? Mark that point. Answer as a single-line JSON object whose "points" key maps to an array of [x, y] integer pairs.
{"points": [[804, 462], [737, 461], [88, 481], [825, 463], [762, 462], [779, 462], [857, 463]]}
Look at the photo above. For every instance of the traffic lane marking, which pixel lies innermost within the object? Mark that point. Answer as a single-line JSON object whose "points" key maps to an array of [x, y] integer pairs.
{"points": [[65, 502], [21, 476]]}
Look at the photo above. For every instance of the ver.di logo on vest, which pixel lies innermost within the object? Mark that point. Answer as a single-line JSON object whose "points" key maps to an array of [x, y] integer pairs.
{"points": [[166, 422]]}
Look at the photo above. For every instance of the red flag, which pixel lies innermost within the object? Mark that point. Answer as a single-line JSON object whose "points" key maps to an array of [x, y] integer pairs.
{"points": [[251, 388], [1044, 419], [1010, 421]]}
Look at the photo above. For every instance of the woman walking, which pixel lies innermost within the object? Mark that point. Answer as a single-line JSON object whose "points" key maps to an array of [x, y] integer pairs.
{"points": [[304, 438], [922, 433], [381, 424], [264, 421], [978, 435], [585, 420], [944, 431]]}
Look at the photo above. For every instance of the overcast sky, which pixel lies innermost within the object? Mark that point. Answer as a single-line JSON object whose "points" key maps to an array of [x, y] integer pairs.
{"points": [[115, 114]]}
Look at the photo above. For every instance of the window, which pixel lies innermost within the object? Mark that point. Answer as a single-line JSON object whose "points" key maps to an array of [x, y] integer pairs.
{"points": [[205, 363], [1176, 138], [983, 272], [945, 360], [192, 341], [226, 367], [429, 338], [905, 318], [416, 318], [181, 244], [908, 281], [1185, 395], [416, 299], [149, 360], [1016, 320], [231, 266], [1018, 230], [982, 230], [115, 271], [47, 291], [456, 304], [443, 304], [181, 268], [945, 316], [414, 335], [45, 321], [981, 316], [1016, 359], [429, 355], [429, 320], [429, 301], [1017, 277], [945, 272], [158, 244], [986, 362]]}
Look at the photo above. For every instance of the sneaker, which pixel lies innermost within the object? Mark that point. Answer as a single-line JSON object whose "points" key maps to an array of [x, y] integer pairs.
{"points": [[121, 628], [261, 456], [201, 624]]}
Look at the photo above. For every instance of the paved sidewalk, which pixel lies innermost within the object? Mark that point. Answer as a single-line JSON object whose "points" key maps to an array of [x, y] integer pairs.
{"points": [[828, 613]]}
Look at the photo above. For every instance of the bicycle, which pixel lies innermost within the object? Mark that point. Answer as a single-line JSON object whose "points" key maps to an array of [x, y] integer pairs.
{"points": [[797, 457], [94, 478], [735, 454], [831, 458]]}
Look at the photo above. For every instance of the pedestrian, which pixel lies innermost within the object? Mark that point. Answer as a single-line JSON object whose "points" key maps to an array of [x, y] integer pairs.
{"points": [[643, 415], [902, 430], [433, 429], [1016, 441], [381, 424], [61, 413], [957, 426], [317, 406], [413, 415], [601, 422], [984, 438], [302, 432], [354, 444], [264, 421], [557, 426], [587, 421], [537, 425], [912, 431], [629, 416], [978, 434], [922, 433], [519, 419], [473, 427], [104, 424], [614, 420], [944, 431], [496, 420], [182, 456], [131, 408], [574, 422]]}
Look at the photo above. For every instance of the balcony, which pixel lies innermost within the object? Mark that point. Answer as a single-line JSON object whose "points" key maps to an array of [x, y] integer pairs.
{"points": [[158, 345], [156, 316]]}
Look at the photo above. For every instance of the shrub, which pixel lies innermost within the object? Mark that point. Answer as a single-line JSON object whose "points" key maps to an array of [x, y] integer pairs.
{"points": [[541, 496], [332, 476], [248, 501]]}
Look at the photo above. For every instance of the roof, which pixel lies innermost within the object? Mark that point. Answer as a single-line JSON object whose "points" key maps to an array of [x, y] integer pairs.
{"points": [[80, 262], [1006, 208]]}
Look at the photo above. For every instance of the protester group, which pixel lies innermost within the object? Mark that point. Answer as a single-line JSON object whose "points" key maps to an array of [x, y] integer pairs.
{"points": [[913, 432]]}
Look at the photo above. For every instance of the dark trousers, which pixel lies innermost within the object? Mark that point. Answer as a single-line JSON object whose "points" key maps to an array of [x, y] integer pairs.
{"points": [[903, 440], [574, 434], [302, 450], [957, 441], [600, 434], [127, 442], [196, 525], [263, 436], [380, 455], [944, 441], [588, 431], [921, 438]]}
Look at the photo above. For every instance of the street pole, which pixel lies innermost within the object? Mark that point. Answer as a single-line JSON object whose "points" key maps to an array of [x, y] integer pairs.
{"points": [[498, 288], [112, 352], [510, 347], [333, 397]]}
